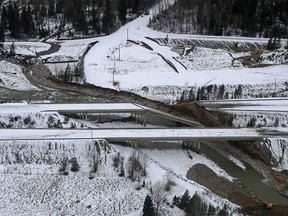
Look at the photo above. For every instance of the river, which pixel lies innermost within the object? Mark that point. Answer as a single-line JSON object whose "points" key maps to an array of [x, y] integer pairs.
{"points": [[249, 177]]}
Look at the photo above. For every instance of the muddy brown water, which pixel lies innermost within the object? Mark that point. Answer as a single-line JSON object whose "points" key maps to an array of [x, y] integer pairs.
{"points": [[249, 177]]}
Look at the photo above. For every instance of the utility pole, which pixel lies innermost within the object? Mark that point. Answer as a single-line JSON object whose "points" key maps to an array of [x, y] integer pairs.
{"points": [[119, 50], [275, 88], [114, 70]]}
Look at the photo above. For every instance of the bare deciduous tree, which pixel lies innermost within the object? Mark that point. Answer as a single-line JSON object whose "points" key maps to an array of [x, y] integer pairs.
{"points": [[158, 194]]}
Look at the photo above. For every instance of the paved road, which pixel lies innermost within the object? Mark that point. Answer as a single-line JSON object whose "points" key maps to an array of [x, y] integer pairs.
{"points": [[215, 134], [255, 105]]}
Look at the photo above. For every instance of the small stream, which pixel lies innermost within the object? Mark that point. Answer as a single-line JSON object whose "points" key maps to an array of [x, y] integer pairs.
{"points": [[250, 177]]}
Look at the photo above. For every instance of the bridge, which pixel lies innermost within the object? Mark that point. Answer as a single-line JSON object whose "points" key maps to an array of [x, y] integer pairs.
{"points": [[141, 113], [120, 135], [194, 133]]}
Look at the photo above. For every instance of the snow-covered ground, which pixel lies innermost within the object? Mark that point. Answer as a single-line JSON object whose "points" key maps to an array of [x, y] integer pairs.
{"points": [[12, 77], [27, 48], [138, 65], [142, 66], [133, 65], [70, 50], [31, 183]]}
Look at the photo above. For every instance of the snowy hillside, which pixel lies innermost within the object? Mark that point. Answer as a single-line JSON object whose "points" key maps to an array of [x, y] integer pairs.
{"points": [[32, 182], [12, 77]]}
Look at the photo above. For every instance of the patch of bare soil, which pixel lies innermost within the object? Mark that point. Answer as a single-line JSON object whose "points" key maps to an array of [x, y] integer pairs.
{"points": [[260, 65], [199, 113], [218, 185]]}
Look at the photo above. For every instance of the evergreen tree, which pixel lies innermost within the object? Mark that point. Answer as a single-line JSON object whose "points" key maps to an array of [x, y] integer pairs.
{"points": [[13, 20], [4, 18], [2, 33], [122, 8], [148, 208], [221, 92], [223, 211], [67, 77], [238, 92], [191, 96], [135, 6], [211, 210], [51, 8], [184, 201], [196, 207], [27, 24], [79, 9], [60, 6], [198, 97], [176, 200], [108, 18], [252, 122]]}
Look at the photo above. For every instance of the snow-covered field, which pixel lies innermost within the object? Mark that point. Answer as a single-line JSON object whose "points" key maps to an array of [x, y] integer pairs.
{"points": [[12, 77], [27, 48], [70, 50], [31, 183]]}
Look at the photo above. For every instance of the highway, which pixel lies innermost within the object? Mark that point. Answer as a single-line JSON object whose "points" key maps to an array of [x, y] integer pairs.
{"points": [[89, 108], [187, 134], [127, 134], [250, 105]]}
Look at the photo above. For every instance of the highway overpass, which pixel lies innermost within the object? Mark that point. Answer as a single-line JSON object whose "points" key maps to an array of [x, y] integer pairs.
{"points": [[141, 113], [171, 134]]}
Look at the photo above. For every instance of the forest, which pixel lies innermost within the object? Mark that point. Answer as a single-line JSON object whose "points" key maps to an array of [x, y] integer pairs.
{"points": [[253, 18], [43, 19]]}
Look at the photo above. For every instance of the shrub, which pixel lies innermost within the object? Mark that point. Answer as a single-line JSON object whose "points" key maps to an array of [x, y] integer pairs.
{"points": [[276, 123], [66, 173], [169, 182], [148, 208], [63, 163], [28, 121], [122, 172], [135, 168], [74, 165], [116, 160], [252, 122], [95, 164]]}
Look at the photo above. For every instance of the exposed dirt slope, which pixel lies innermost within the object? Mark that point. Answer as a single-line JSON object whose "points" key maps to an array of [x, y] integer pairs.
{"points": [[199, 113]]}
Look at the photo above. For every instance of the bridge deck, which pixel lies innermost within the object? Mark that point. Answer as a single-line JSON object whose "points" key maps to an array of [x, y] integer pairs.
{"points": [[71, 108], [85, 108], [220, 134]]}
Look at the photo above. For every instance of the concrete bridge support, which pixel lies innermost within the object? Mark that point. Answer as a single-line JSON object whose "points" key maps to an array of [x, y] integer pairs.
{"points": [[194, 145], [84, 116], [140, 118]]}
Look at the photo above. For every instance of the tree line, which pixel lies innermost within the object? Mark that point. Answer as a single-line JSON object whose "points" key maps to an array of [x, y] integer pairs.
{"points": [[255, 18], [211, 92], [44, 18], [192, 206]]}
